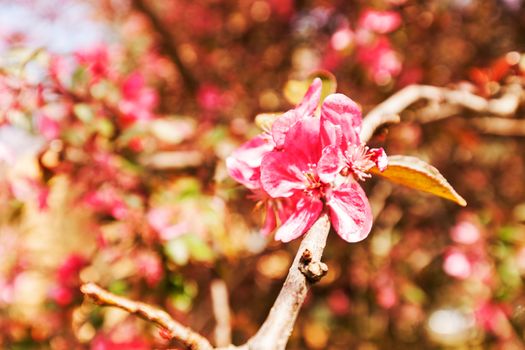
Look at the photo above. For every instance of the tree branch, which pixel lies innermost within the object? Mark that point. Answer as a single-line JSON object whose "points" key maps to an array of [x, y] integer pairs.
{"points": [[167, 42], [449, 101], [184, 335], [274, 333], [221, 311]]}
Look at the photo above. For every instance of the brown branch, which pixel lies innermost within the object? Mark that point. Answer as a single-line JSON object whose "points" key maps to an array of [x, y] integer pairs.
{"points": [[177, 331], [167, 42], [275, 331], [447, 100], [500, 126], [221, 311]]}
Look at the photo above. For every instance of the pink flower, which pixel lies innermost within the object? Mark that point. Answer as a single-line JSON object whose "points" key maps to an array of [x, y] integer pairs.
{"points": [[458, 265], [312, 162], [48, 127], [97, 60], [162, 220], [244, 165], [106, 200], [138, 101], [380, 59], [381, 22], [314, 165], [465, 232]]}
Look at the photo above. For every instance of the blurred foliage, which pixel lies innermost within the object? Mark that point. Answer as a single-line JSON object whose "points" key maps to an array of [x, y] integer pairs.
{"points": [[112, 170]]}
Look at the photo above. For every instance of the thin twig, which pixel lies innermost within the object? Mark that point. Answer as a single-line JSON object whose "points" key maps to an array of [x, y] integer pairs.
{"points": [[221, 311], [505, 105], [500, 126], [167, 42], [177, 331]]}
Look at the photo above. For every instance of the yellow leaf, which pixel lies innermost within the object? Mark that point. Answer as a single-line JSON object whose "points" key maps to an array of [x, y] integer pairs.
{"points": [[329, 82], [294, 90], [417, 174]]}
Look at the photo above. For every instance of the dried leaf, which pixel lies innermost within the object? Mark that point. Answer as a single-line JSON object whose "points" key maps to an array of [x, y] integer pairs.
{"points": [[417, 174]]}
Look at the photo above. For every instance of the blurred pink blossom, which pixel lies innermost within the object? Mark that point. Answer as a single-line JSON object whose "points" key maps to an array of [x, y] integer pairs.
{"points": [[457, 264], [465, 232]]}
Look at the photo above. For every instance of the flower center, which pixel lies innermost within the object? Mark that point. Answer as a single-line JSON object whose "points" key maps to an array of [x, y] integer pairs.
{"points": [[358, 162], [313, 184]]}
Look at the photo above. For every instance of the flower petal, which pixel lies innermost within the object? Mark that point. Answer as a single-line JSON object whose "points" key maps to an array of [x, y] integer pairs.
{"points": [[330, 164], [337, 109], [243, 173], [307, 211], [244, 164], [310, 100], [304, 109], [269, 220], [350, 212], [282, 172], [252, 151], [379, 157]]}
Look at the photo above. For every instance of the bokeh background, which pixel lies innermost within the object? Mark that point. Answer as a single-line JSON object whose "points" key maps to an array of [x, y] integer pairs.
{"points": [[115, 120]]}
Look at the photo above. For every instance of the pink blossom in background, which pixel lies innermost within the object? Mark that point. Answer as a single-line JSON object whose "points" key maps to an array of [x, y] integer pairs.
{"points": [[138, 101], [106, 200], [339, 302], [381, 22], [96, 59], [465, 232], [372, 47], [380, 59], [149, 266], [493, 318], [67, 279], [457, 264], [47, 127]]}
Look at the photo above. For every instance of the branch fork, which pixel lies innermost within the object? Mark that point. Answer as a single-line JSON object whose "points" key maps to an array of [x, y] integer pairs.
{"points": [[311, 269]]}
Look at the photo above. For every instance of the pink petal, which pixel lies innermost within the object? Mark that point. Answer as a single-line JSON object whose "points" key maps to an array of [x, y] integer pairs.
{"points": [[330, 164], [244, 164], [253, 151], [282, 171], [337, 109], [281, 126], [379, 157], [310, 100], [350, 212], [243, 173], [305, 109], [307, 211], [269, 221]]}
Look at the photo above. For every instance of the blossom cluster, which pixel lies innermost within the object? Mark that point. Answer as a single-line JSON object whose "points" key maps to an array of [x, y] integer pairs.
{"points": [[310, 160]]}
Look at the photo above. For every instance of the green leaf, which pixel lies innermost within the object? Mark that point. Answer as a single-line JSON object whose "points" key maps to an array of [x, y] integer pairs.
{"points": [[417, 174]]}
